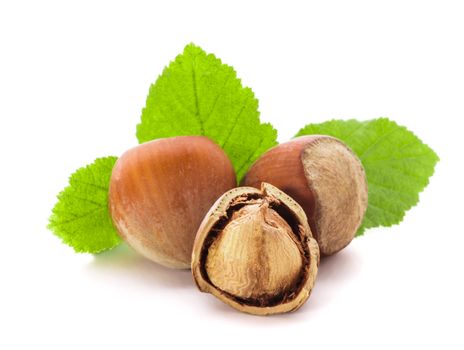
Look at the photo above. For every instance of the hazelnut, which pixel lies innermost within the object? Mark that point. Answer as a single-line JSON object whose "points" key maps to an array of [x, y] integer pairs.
{"points": [[326, 178], [255, 252], [161, 190]]}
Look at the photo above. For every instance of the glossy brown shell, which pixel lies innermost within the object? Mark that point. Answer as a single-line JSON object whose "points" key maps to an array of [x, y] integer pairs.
{"points": [[161, 190], [325, 177]]}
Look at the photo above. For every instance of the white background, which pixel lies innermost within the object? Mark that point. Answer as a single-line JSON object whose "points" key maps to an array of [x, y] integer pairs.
{"points": [[73, 81]]}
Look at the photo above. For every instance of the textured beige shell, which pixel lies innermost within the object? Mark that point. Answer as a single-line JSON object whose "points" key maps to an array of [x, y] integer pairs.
{"points": [[219, 211], [338, 182]]}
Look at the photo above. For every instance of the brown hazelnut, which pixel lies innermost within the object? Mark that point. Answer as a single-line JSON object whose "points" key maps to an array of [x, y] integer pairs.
{"points": [[325, 177], [161, 190], [255, 252]]}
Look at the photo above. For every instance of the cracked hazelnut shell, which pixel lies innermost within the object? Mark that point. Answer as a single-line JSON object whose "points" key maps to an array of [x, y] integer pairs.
{"points": [[254, 251], [160, 191], [325, 177]]}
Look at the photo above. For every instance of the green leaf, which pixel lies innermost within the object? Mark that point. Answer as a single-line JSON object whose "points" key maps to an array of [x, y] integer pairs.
{"points": [[199, 95], [398, 164], [81, 217]]}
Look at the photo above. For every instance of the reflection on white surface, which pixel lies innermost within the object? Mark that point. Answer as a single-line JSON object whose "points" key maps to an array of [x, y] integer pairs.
{"points": [[125, 264]]}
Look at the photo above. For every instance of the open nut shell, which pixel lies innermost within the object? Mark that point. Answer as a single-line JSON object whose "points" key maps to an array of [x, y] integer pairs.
{"points": [[215, 222]]}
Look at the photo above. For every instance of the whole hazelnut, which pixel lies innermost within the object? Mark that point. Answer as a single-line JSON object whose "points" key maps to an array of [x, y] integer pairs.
{"points": [[255, 252], [160, 191], [326, 178]]}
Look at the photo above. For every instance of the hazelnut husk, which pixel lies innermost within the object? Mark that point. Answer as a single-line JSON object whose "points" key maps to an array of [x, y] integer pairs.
{"points": [[325, 177], [254, 251], [161, 190]]}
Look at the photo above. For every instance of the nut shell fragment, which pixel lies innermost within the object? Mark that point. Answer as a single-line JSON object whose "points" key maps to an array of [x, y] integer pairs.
{"points": [[254, 251]]}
